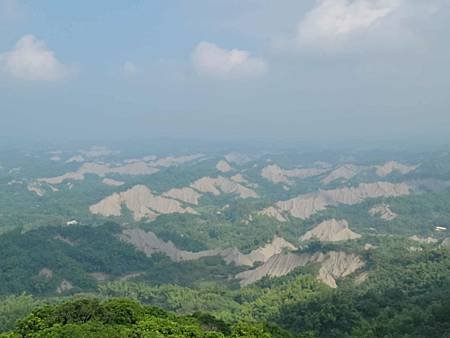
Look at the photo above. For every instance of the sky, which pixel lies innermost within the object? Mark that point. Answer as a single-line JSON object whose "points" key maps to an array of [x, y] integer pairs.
{"points": [[312, 70]]}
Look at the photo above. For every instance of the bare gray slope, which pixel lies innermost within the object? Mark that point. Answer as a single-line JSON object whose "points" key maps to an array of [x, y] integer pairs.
{"points": [[383, 211], [349, 170], [141, 202], [330, 231], [223, 166], [144, 166], [187, 195], [307, 205], [276, 174], [149, 243], [346, 172], [333, 264], [220, 184]]}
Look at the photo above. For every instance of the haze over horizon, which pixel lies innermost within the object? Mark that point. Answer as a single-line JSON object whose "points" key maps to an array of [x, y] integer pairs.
{"points": [[324, 70]]}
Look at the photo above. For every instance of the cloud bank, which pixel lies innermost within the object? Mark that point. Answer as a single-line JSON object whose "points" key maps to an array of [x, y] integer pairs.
{"points": [[210, 60], [30, 60], [350, 25], [335, 21]]}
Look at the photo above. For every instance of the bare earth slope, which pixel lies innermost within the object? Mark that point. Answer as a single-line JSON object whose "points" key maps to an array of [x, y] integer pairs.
{"points": [[149, 243], [187, 195], [383, 211], [334, 265], [428, 240], [140, 201], [331, 231], [346, 172], [219, 185], [111, 182], [223, 166], [394, 166], [237, 158], [276, 262], [274, 213], [144, 204], [144, 166], [276, 174], [307, 205]]}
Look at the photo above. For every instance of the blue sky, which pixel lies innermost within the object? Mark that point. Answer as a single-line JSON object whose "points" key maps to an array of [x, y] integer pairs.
{"points": [[228, 70]]}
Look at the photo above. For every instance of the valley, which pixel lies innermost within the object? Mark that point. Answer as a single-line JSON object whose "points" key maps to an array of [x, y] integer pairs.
{"points": [[222, 232]]}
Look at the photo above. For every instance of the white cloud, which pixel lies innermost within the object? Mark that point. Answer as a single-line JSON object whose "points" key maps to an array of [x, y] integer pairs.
{"points": [[129, 69], [31, 60], [210, 60], [332, 23]]}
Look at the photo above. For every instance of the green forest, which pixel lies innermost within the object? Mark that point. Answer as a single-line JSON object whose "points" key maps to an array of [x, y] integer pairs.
{"points": [[405, 295]]}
